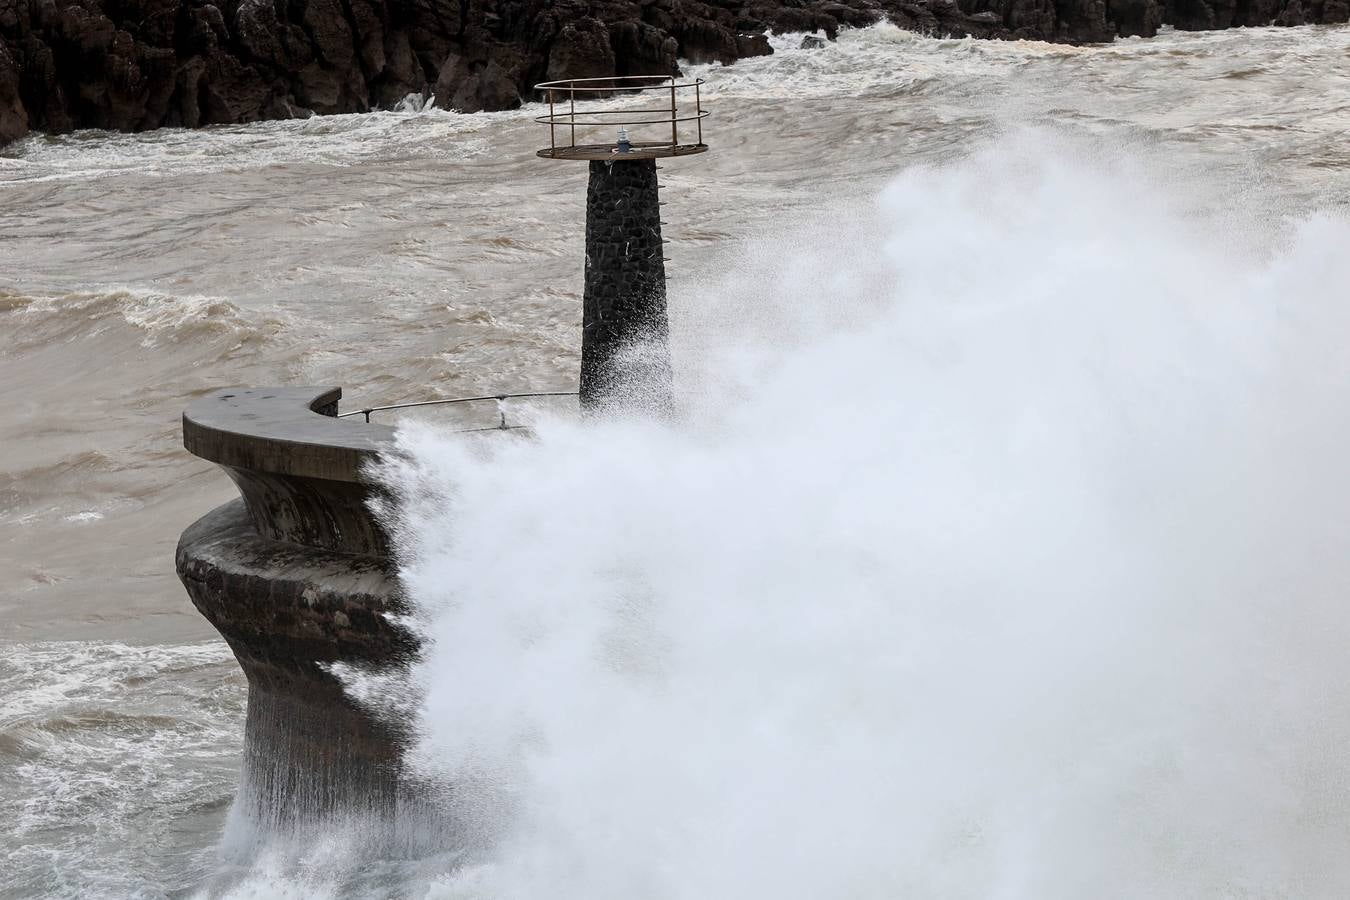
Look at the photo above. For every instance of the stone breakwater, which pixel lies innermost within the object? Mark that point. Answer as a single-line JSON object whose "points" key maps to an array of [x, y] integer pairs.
{"points": [[142, 64]]}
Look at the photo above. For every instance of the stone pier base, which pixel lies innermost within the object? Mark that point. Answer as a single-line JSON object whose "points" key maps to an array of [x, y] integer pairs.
{"points": [[297, 577], [289, 613]]}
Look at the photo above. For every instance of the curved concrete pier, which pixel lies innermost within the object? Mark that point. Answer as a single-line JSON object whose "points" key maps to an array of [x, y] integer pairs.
{"points": [[296, 575]]}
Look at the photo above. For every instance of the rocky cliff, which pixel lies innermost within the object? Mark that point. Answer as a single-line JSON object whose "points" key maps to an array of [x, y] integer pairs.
{"points": [[140, 64]]}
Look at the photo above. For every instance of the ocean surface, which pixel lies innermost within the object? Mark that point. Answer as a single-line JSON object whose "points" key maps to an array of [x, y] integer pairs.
{"points": [[1174, 210]]}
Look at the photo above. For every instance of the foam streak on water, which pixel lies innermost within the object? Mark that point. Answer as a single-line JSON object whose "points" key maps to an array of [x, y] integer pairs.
{"points": [[109, 755], [1020, 572]]}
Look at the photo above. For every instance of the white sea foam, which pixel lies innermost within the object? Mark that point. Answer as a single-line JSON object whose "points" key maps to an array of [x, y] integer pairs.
{"points": [[157, 314], [339, 140], [137, 741], [1001, 552]]}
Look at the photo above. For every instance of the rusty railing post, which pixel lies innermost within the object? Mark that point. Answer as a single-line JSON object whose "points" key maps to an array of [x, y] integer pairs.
{"points": [[698, 110]]}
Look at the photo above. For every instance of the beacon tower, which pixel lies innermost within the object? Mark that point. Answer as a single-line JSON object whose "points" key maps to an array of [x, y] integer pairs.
{"points": [[620, 127]]}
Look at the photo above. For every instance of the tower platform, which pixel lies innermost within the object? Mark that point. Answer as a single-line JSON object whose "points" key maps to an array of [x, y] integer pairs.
{"points": [[608, 152], [582, 109]]}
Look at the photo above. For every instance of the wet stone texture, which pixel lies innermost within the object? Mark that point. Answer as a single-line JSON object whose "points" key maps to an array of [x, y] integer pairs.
{"points": [[624, 351], [298, 579], [289, 613]]}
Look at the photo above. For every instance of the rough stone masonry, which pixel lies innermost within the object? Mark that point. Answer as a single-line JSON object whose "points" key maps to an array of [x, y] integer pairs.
{"points": [[623, 315]]}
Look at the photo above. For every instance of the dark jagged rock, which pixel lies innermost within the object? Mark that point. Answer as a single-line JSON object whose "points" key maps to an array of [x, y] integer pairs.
{"points": [[13, 117], [1135, 18], [581, 49], [139, 64]]}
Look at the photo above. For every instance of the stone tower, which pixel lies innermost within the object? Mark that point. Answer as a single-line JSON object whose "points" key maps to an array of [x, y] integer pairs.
{"points": [[625, 354]]}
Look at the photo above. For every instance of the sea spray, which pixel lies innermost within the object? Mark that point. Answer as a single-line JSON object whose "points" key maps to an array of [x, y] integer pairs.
{"points": [[1025, 577], [999, 551]]}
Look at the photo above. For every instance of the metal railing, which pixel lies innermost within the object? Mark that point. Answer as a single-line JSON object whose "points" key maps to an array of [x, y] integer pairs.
{"points": [[589, 91], [500, 398]]}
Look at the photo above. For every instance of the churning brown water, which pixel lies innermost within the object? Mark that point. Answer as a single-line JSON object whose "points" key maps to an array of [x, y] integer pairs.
{"points": [[420, 253]]}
